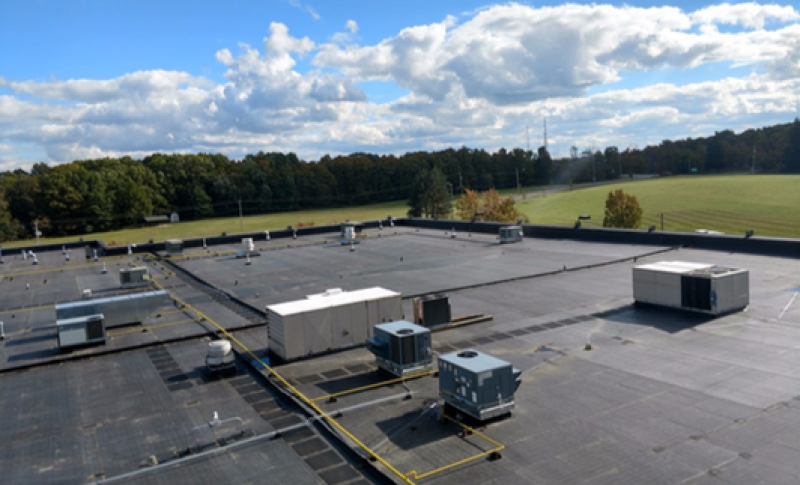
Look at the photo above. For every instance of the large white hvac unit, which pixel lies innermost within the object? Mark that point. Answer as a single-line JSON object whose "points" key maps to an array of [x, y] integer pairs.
{"points": [[698, 287], [510, 234], [478, 384], [134, 277], [401, 348], [329, 321], [80, 331]]}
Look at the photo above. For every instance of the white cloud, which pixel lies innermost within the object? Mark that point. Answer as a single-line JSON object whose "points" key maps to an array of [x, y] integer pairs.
{"points": [[750, 15], [476, 82]]}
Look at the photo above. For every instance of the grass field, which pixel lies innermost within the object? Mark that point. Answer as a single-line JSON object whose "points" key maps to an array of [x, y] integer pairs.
{"points": [[232, 225], [767, 204]]}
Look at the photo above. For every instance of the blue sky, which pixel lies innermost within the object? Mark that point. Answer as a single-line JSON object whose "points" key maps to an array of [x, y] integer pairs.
{"points": [[92, 78]]}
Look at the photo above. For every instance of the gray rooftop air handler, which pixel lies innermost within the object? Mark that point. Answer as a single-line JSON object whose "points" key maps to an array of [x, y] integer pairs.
{"points": [[174, 247], [134, 277], [510, 234], [432, 310], [477, 384], [698, 287], [401, 348], [80, 331], [116, 310]]}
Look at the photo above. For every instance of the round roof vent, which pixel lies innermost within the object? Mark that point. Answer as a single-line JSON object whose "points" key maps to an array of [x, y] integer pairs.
{"points": [[467, 354], [404, 331]]}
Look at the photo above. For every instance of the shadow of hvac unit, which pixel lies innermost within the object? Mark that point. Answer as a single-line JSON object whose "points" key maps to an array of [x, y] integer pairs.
{"points": [[401, 348], [113, 312], [477, 384], [329, 321], [510, 234], [697, 287], [432, 310]]}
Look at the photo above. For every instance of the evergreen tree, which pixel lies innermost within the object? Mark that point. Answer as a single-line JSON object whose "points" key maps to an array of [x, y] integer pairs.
{"points": [[791, 154]]}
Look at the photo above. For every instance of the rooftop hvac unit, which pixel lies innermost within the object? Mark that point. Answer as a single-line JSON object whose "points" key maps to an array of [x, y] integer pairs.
{"points": [[698, 287], [510, 234], [432, 310], [329, 321], [477, 384], [174, 247], [79, 331], [220, 356], [134, 277], [116, 310], [401, 348]]}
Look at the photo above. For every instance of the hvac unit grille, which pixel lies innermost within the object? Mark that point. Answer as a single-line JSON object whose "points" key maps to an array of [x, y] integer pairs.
{"points": [[94, 328], [696, 292]]}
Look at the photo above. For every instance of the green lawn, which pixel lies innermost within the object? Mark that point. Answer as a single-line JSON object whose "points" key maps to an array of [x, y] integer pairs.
{"points": [[768, 204], [232, 225]]}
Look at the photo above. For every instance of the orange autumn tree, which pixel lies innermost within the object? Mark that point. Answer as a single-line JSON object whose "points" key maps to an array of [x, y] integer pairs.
{"points": [[489, 203]]}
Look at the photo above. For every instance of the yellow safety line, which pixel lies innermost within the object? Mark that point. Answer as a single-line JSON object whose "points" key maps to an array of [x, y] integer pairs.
{"points": [[23, 310], [498, 448], [300, 395], [310, 402], [377, 384], [148, 327]]}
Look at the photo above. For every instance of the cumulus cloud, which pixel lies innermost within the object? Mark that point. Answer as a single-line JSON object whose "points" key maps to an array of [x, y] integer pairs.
{"points": [[477, 81], [750, 15]]}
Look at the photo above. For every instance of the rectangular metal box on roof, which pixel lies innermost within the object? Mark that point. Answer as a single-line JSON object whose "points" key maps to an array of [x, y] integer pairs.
{"points": [[78, 331], [117, 310], [510, 234], [401, 348], [134, 277], [698, 287], [329, 321], [174, 247], [478, 384]]}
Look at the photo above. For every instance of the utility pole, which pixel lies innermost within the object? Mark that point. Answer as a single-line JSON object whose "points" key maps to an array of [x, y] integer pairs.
{"points": [[241, 221], [753, 167], [518, 187], [36, 231], [545, 133]]}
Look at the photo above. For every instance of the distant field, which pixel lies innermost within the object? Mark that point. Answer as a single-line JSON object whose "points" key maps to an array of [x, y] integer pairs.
{"points": [[768, 204], [231, 225]]}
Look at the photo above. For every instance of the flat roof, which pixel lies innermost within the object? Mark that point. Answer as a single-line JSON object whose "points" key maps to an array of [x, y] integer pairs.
{"points": [[662, 397]]}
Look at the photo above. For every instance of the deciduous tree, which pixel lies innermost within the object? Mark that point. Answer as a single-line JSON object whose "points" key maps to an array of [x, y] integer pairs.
{"points": [[622, 210]]}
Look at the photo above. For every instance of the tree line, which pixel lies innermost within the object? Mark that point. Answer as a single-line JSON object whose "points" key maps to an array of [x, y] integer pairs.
{"points": [[88, 196]]}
